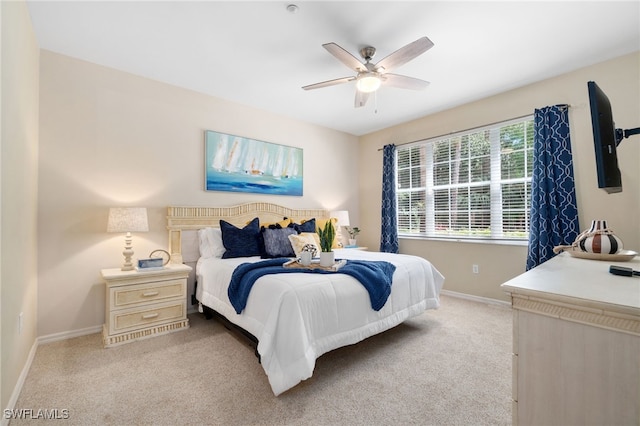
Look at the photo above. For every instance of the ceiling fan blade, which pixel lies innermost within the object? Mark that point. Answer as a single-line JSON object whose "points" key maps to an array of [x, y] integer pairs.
{"points": [[345, 57], [328, 83], [361, 99], [404, 82], [404, 54]]}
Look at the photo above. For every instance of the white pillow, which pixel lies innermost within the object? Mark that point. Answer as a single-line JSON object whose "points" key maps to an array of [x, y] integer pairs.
{"points": [[300, 240], [211, 242]]}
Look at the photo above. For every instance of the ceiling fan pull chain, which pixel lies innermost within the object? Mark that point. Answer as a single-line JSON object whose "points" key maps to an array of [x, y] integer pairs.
{"points": [[375, 100]]}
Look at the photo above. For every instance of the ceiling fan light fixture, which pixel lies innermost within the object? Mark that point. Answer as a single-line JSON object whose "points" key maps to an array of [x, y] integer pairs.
{"points": [[368, 82]]}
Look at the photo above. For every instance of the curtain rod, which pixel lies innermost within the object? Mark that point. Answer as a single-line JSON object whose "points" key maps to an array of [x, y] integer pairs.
{"points": [[473, 128]]}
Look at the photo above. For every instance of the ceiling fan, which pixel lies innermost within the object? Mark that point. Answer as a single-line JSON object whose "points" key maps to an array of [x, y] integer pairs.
{"points": [[370, 76]]}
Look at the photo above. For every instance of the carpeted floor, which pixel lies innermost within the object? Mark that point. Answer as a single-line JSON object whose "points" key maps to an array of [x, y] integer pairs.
{"points": [[450, 366]]}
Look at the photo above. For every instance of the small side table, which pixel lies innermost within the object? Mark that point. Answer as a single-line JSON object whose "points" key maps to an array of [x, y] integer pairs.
{"points": [[143, 304]]}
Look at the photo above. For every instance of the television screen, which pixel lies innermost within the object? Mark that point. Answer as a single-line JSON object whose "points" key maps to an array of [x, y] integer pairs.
{"points": [[604, 139]]}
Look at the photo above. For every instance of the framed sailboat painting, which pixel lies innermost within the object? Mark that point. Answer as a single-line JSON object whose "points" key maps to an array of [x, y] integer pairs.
{"points": [[239, 164]]}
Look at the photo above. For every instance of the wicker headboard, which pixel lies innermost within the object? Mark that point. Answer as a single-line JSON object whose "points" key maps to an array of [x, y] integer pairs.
{"points": [[181, 219]]}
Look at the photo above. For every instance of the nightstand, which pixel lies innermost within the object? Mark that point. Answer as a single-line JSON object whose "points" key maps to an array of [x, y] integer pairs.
{"points": [[142, 304]]}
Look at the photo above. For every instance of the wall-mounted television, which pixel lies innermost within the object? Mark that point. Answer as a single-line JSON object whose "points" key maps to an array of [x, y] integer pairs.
{"points": [[606, 139]]}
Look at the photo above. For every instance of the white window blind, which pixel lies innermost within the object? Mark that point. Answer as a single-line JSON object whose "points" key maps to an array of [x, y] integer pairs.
{"points": [[472, 184]]}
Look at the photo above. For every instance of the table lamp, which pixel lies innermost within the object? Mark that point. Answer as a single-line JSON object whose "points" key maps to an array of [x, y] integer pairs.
{"points": [[343, 220]]}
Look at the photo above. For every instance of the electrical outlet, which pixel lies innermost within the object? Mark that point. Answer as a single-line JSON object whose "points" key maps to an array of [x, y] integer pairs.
{"points": [[20, 322], [475, 269]]}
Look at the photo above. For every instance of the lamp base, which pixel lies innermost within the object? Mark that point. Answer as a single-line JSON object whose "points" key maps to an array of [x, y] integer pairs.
{"points": [[127, 253]]}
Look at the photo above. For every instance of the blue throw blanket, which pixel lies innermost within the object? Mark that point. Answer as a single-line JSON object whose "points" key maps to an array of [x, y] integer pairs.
{"points": [[375, 276]]}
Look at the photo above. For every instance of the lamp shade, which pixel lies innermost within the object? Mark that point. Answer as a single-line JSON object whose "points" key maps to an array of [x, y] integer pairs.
{"points": [[342, 216], [128, 219]]}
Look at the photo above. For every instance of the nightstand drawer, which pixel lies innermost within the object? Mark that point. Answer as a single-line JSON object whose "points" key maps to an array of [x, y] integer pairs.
{"points": [[141, 294], [129, 319]]}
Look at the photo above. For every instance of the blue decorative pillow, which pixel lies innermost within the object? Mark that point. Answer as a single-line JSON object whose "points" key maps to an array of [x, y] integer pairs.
{"points": [[306, 226], [276, 242], [240, 242]]}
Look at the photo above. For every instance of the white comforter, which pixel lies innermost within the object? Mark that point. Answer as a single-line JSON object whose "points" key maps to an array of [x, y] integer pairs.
{"points": [[298, 317]]}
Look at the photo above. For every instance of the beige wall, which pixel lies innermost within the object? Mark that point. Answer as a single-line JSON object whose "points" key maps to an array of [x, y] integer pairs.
{"points": [[108, 138], [18, 166], [619, 78]]}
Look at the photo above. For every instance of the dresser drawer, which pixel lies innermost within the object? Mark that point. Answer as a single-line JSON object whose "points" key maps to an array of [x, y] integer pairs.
{"points": [[131, 319], [142, 294]]}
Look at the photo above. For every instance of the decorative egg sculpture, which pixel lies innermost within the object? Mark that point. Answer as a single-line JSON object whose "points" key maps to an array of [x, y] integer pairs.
{"points": [[599, 239]]}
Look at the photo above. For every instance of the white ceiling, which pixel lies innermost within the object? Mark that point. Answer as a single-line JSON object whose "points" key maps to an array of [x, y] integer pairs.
{"points": [[259, 54]]}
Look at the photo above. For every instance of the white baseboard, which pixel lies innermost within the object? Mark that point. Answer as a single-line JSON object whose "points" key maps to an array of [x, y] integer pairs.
{"points": [[18, 388], [480, 299], [69, 334]]}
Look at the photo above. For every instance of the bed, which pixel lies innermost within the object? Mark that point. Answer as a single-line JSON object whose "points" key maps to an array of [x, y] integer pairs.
{"points": [[296, 317]]}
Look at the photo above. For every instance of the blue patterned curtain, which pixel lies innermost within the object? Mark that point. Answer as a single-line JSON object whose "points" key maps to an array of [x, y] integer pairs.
{"points": [[389, 231], [554, 211]]}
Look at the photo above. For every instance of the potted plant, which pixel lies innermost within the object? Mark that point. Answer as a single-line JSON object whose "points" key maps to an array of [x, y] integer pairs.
{"points": [[353, 232], [327, 235]]}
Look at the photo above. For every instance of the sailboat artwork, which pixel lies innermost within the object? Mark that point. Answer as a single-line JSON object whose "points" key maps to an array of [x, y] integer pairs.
{"points": [[238, 164]]}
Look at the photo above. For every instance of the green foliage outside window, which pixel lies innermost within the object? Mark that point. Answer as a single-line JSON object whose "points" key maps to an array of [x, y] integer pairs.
{"points": [[468, 185]]}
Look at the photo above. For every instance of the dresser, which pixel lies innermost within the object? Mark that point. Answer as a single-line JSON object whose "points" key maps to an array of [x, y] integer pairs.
{"points": [[142, 304], [576, 344]]}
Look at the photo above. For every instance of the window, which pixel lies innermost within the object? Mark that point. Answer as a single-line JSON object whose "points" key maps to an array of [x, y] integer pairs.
{"points": [[473, 184]]}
